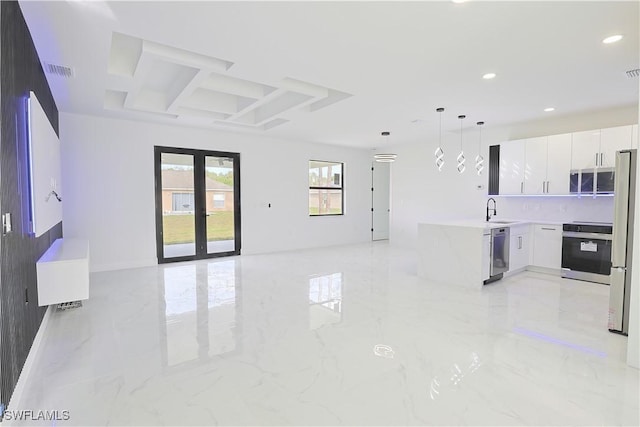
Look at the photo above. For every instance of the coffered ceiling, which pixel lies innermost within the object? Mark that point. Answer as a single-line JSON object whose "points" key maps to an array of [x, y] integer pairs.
{"points": [[338, 72]]}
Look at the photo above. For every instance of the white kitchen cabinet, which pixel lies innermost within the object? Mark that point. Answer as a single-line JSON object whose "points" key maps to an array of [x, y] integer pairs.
{"points": [[585, 149], [558, 163], [612, 140], [547, 246], [519, 247], [512, 164], [486, 256], [544, 165], [535, 172], [548, 164], [597, 148]]}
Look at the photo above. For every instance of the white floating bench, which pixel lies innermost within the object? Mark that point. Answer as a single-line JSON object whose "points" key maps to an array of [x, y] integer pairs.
{"points": [[63, 272]]}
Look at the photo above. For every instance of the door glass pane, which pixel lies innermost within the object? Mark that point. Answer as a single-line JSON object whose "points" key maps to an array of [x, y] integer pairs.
{"points": [[219, 206], [178, 209]]}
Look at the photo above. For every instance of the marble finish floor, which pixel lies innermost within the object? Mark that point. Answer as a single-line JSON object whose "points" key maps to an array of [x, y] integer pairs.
{"points": [[336, 336]]}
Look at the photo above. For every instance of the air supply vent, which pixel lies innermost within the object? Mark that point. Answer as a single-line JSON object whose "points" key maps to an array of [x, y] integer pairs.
{"points": [[633, 73], [59, 70]]}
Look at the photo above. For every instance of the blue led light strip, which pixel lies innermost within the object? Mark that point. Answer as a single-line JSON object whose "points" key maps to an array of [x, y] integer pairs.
{"points": [[32, 218]]}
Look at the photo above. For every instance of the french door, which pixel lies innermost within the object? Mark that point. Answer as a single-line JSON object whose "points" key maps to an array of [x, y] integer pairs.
{"points": [[197, 204]]}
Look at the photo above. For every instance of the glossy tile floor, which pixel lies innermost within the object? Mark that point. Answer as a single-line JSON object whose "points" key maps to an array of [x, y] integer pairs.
{"points": [[338, 336]]}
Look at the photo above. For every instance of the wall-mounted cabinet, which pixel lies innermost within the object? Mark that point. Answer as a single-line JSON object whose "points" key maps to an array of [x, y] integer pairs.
{"points": [[594, 158], [597, 148], [535, 173], [512, 163], [585, 149], [579, 162], [548, 163], [536, 165], [612, 140]]}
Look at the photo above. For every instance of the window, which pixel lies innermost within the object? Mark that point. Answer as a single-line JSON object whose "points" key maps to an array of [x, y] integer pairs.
{"points": [[325, 188], [218, 200], [182, 202]]}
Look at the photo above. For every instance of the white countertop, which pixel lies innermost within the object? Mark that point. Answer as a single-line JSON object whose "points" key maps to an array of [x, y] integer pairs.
{"points": [[493, 223]]}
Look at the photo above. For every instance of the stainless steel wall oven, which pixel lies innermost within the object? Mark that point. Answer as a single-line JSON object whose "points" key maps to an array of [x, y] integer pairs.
{"points": [[586, 251]]}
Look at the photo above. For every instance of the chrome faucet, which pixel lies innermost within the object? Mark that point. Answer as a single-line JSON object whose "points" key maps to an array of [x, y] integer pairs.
{"points": [[494, 208]]}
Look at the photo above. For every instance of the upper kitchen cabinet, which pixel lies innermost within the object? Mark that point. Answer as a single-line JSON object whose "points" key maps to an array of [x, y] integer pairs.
{"points": [[612, 140], [512, 164], [548, 163], [535, 173], [570, 163], [597, 148], [585, 149], [558, 163]]}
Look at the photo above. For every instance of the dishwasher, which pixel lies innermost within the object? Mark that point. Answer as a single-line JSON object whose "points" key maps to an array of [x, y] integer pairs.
{"points": [[499, 254]]}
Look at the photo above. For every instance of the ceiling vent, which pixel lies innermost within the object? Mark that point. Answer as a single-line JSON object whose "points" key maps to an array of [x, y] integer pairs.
{"points": [[58, 70], [633, 73]]}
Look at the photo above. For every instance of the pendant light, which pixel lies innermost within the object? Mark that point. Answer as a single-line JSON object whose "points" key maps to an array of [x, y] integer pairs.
{"points": [[479, 158], [385, 158], [439, 153], [460, 158]]}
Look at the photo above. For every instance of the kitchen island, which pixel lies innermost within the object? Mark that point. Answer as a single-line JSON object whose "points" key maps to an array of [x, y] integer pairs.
{"points": [[456, 252]]}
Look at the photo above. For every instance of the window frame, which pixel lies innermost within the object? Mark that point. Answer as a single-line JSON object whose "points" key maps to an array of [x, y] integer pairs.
{"points": [[317, 187]]}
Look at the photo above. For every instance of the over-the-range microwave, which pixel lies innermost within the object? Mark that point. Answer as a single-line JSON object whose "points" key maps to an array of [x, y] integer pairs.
{"points": [[585, 181]]}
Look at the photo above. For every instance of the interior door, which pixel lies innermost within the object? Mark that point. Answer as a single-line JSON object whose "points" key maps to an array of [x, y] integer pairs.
{"points": [[197, 204], [380, 183]]}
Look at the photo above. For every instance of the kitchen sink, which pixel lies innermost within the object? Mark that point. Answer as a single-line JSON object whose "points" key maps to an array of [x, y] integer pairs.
{"points": [[500, 222]]}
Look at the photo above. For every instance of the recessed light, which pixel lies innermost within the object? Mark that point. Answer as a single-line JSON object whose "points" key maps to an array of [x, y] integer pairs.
{"points": [[548, 109], [489, 76], [612, 39], [458, 1]]}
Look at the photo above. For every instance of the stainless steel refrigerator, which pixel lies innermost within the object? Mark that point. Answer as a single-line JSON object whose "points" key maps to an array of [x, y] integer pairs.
{"points": [[622, 246]]}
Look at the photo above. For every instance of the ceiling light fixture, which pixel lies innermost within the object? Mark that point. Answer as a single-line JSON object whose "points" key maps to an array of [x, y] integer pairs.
{"points": [[549, 109], [439, 153], [460, 158], [612, 39], [386, 157], [489, 76], [479, 158]]}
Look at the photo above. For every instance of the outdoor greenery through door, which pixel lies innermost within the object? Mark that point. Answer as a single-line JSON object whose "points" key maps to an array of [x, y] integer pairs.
{"points": [[197, 204]]}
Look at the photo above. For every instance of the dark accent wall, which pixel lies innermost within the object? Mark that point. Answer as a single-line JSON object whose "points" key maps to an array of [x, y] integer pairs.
{"points": [[494, 170], [21, 72]]}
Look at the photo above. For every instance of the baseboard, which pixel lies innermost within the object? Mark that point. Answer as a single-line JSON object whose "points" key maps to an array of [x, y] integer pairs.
{"points": [[16, 397], [124, 265], [514, 272], [544, 270]]}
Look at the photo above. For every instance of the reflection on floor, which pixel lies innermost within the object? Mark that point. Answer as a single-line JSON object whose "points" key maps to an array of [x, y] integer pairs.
{"points": [[341, 336], [189, 249]]}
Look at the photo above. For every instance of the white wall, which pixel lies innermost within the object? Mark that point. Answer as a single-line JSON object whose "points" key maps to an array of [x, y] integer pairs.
{"points": [[108, 177], [420, 193]]}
